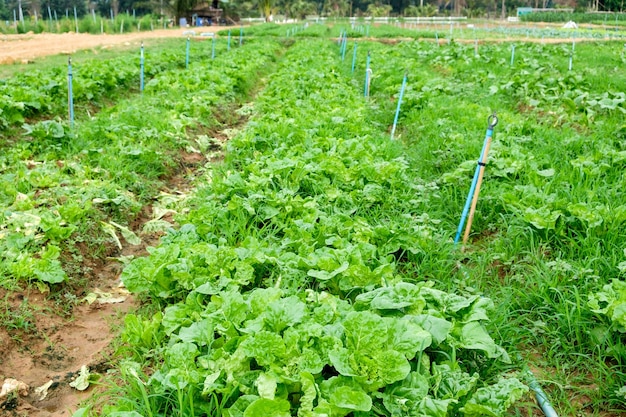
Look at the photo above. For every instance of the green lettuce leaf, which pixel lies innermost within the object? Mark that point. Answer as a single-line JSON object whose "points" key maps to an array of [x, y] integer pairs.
{"points": [[264, 407], [494, 400]]}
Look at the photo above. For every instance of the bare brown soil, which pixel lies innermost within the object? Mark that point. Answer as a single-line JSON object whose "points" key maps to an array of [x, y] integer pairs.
{"points": [[60, 333], [55, 351], [22, 48]]}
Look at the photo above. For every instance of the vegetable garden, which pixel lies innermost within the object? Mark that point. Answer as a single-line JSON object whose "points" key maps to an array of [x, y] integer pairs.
{"points": [[311, 270]]}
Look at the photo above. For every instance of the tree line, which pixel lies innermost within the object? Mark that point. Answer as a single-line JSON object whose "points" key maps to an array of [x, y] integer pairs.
{"points": [[293, 8]]}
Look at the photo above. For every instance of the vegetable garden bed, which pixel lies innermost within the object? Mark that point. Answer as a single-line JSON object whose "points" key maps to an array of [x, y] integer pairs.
{"points": [[312, 272]]}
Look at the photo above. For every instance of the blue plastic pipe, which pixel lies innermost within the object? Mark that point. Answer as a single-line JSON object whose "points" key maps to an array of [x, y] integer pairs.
{"points": [[354, 57], [342, 42], [141, 70], [240, 35], [493, 120], [395, 119], [213, 47], [187, 54], [345, 46], [542, 398], [512, 54], [228, 47], [367, 75], [70, 97], [569, 68]]}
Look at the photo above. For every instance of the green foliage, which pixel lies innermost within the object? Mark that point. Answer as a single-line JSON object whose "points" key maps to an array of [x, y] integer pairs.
{"points": [[320, 349], [549, 230], [63, 187], [575, 17], [281, 288], [611, 302]]}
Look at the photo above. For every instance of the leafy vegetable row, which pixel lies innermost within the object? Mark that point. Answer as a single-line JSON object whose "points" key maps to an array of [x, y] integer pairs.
{"points": [[537, 184], [44, 92], [281, 291], [549, 226], [65, 188]]}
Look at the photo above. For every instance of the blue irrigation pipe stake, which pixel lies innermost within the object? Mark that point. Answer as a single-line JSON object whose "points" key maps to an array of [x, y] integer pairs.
{"points": [[354, 57], [187, 54], [228, 47], [395, 119], [366, 90], [472, 196], [540, 395], [340, 43], [345, 46], [437, 38], [512, 54], [70, 97], [213, 47], [571, 57], [141, 62], [240, 35]]}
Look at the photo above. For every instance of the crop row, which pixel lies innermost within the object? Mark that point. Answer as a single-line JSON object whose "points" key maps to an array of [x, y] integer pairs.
{"points": [[63, 188], [552, 208], [44, 92], [280, 289]]}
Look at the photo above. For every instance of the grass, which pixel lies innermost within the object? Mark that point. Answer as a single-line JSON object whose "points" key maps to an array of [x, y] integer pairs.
{"points": [[539, 278], [548, 230]]}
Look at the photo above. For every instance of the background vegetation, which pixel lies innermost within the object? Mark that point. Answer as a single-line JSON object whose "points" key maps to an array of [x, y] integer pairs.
{"points": [[33, 10]]}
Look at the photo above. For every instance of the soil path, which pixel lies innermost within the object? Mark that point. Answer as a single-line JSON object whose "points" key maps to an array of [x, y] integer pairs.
{"points": [[60, 334], [22, 48]]}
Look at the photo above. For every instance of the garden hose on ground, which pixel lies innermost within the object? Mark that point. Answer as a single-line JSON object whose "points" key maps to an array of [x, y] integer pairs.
{"points": [[540, 395]]}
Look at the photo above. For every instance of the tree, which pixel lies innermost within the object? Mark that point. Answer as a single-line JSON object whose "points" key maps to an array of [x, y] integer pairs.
{"points": [[336, 8], [298, 9], [5, 14], [379, 10], [266, 8]]}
